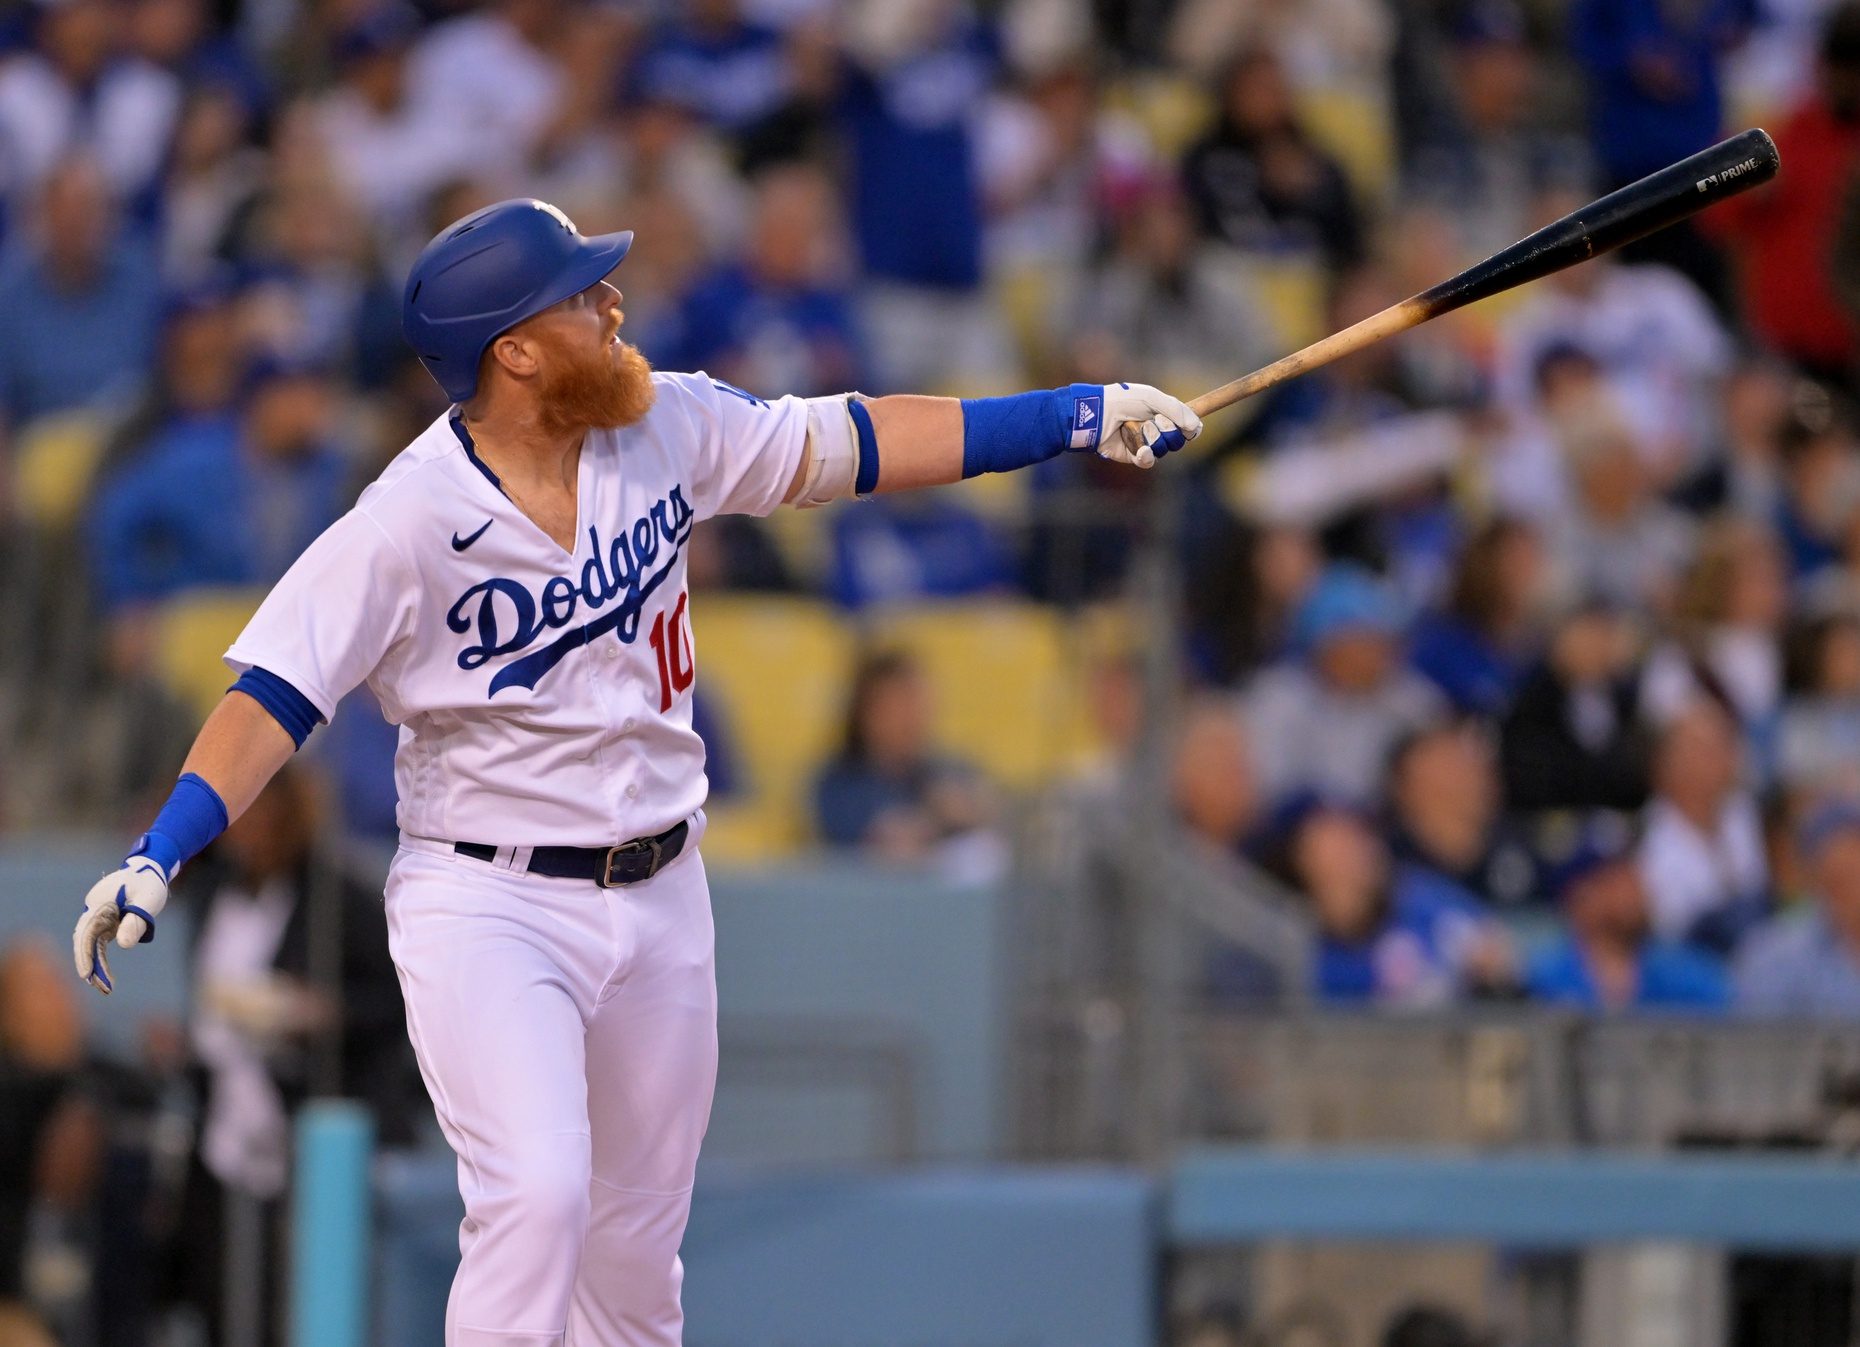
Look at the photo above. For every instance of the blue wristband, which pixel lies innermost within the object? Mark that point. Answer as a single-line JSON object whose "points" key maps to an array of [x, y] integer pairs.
{"points": [[193, 817], [1001, 434]]}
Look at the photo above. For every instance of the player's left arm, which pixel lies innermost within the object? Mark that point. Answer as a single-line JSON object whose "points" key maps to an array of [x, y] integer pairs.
{"points": [[860, 447]]}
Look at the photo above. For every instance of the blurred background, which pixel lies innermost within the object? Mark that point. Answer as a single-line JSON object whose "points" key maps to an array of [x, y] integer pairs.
{"points": [[1391, 876]]}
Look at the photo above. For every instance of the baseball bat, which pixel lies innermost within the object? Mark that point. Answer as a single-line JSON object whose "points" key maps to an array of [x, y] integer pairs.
{"points": [[1635, 211]]}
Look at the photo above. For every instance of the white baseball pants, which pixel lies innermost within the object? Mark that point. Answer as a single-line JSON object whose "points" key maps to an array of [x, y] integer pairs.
{"points": [[568, 1037]]}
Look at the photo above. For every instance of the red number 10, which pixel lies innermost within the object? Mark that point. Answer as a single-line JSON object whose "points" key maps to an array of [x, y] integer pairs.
{"points": [[673, 648]]}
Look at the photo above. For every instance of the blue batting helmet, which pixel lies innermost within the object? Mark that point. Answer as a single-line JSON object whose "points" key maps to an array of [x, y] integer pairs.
{"points": [[487, 273]]}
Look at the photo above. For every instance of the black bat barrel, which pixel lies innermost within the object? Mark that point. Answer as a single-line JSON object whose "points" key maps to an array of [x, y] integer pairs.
{"points": [[1637, 210]]}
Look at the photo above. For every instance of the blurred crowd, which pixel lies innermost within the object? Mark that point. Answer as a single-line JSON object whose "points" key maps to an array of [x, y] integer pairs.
{"points": [[1521, 654], [1551, 607]]}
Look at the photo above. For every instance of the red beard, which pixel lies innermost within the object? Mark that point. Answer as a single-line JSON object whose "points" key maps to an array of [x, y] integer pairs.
{"points": [[601, 391]]}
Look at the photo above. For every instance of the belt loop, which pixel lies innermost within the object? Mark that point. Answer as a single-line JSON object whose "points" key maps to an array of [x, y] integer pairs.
{"points": [[501, 859], [520, 858]]}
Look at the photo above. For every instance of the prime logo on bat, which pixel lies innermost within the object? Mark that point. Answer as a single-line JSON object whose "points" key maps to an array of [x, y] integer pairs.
{"points": [[512, 589]]}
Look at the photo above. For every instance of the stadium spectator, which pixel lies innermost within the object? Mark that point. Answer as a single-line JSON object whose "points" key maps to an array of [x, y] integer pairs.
{"points": [[1446, 815], [1742, 467], [1168, 299], [222, 499], [199, 365], [1388, 935], [1327, 46], [1821, 485], [1573, 738], [80, 301], [710, 60], [1478, 647], [312, 289], [888, 791], [1725, 639], [926, 544], [1243, 595], [1258, 181], [1619, 539], [1056, 168], [389, 151], [1492, 158], [1609, 959], [1367, 389], [295, 994], [181, 37], [779, 319], [44, 1149], [1655, 76], [1818, 743], [1648, 329], [1789, 246], [1212, 777], [1805, 963], [1326, 719], [495, 75], [1655, 79], [76, 90], [213, 176], [908, 110], [1702, 857]]}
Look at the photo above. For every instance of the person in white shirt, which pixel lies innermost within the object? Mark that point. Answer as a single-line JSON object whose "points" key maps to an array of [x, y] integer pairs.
{"points": [[512, 589], [1702, 857]]}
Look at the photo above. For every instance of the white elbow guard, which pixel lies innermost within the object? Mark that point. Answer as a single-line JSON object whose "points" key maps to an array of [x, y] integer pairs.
{"points": [[832, 451]]}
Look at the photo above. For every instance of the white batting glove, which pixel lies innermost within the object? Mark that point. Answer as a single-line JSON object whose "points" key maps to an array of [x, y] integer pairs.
{"points": [[123, 906], [1159, 424]]}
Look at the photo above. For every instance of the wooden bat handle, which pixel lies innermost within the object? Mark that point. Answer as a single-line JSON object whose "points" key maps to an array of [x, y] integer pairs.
{"points": [[1396, 318]]}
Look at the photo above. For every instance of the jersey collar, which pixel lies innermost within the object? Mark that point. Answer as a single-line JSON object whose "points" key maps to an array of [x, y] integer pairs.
{"points": [[457, 422]]}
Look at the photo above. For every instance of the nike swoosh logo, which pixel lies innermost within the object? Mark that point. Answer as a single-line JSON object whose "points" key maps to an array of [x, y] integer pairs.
{"points": [[460, 544]]}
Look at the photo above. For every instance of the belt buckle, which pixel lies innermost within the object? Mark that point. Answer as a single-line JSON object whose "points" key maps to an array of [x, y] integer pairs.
{"points": [[638, 846]]}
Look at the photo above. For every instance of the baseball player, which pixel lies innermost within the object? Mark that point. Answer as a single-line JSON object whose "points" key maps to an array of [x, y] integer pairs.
{"points": [[512, 589]]}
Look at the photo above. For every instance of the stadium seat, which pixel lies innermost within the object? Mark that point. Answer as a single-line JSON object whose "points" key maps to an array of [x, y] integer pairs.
{"points": [[55, 458], [1355, 128], [1291, 288], [780, 668], [192, 633], [1008, 690]]}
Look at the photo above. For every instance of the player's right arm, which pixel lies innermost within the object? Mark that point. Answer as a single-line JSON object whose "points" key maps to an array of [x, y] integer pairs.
{"points": [[324, 628]]}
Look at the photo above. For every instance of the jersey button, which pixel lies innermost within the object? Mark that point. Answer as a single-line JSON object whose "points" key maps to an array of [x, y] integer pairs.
{"points": [[627, 724], [611, 650], [632, 792]]}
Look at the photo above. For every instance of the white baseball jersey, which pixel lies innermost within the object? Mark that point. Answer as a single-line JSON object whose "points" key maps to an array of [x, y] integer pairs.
{"points": [[543, 697]]}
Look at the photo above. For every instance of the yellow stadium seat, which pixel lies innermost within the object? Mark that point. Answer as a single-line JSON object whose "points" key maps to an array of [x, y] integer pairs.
{"points": [[778, 667], [55, 458], [1009, 691], [192, 633], [1292, 291], [1356, 129]]}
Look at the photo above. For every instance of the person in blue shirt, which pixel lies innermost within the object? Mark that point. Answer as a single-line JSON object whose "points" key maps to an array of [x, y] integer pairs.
{"points": [[888, 792], [780, 317], [79, 303], [1609, 960], [1656, 89], [710, 61], [1805, 963], [1656, 95], [1388, 935], [1478, 647], [231, 499], [909, 101], [925, 545]]}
